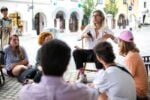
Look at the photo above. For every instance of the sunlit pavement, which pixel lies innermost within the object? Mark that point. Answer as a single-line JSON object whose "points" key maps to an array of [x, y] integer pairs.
{"points": [[11, 88]]}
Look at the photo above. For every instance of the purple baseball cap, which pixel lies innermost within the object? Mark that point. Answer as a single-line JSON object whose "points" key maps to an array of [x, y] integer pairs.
{"points": [[126, 36]]}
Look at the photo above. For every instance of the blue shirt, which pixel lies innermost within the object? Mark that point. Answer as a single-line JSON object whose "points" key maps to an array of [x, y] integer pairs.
{"points": [[10, 58]]}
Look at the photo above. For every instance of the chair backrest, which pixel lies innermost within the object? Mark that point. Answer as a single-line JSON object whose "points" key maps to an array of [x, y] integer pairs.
{"points": [[146, 60]]}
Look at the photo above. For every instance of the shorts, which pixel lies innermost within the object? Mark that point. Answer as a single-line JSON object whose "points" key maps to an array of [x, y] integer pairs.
{"points": [[9, 72]]}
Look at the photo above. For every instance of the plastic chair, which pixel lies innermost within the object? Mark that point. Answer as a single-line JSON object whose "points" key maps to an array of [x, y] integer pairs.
{"points": [[85, 64], [146, 60]]}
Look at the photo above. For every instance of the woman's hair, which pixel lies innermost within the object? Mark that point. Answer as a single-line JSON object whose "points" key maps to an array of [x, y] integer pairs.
{"points": [[18, 51], [42, 37], [100, 14], [104, 50], [125, 47]]}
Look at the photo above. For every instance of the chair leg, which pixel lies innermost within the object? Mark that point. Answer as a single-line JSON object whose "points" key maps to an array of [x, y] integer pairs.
{"points": [[2, 78], [78, 75], [3, 75]]}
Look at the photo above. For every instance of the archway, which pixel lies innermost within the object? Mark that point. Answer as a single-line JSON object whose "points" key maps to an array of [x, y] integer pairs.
{"points": [[59, 21], [122, 22], [73, 22], [39, 22]]}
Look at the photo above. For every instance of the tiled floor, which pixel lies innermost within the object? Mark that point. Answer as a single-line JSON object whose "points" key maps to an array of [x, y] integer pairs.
{"points": [[10, 90]]}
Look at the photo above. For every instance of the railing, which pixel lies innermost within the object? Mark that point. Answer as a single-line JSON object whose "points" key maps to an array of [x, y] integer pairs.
{"points": [[146, 60]]}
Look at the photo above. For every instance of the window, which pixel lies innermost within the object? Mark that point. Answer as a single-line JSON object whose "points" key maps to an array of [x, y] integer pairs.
{"points": [[100, 1], [124, 1], [144, 4], [132, 2], [75, 0], [113, 1]]}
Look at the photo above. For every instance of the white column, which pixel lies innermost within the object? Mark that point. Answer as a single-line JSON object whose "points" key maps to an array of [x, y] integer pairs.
{"points": [[79, 25], [58, 23], [109, 21], [67, 25]]}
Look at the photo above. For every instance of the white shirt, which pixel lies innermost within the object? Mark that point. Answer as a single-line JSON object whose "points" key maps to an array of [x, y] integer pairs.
{"points": [[91, 42], [117, 84]]}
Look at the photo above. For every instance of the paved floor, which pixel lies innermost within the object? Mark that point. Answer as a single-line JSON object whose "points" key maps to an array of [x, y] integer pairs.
{"points": [[10, 90]]}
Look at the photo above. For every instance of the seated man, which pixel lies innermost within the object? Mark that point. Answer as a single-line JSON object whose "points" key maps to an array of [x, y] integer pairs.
{"points": [[52, 85], [113, 81], [16, 59]]}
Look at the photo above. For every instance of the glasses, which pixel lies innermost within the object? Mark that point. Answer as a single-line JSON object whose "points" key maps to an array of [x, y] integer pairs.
{"points": [[96, 15], [15, 39]]}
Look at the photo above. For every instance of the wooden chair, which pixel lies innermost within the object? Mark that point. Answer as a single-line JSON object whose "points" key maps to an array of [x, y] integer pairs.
{"points": [[85, 64], [146, 60]]}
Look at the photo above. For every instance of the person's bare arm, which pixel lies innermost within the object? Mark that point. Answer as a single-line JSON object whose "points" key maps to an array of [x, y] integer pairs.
{"points": [[102, 96], [111, 36], [22, 62]]}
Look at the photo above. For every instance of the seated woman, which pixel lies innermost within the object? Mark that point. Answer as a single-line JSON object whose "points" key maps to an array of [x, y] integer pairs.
{"points": [[43, 38], [134, 62], [16, 59]]}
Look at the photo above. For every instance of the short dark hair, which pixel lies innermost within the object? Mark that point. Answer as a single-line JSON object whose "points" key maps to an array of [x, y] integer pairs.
{"points": [[4, 9], [55, 56], [104, 50]]}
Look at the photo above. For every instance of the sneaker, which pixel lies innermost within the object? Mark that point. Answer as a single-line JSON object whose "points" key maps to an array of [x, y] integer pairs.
{"points": [[82, 79]]}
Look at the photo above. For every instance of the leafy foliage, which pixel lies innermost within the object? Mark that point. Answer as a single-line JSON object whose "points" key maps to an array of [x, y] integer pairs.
{"points": [[111, 8], [88, 6]]}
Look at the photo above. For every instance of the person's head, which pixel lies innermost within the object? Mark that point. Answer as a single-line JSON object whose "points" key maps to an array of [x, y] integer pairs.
{"points": [[98, 17], [55, 56], [44, 37], [126, 43], [104, 52], [4, 11], [14, 40]]}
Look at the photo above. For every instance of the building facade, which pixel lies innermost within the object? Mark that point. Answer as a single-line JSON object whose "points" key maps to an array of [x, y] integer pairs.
{"points": [[29, 15], [33, 16]]}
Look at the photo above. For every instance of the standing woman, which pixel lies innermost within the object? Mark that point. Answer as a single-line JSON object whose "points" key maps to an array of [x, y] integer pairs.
{"points": [[134, 62], [16, 59]]}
